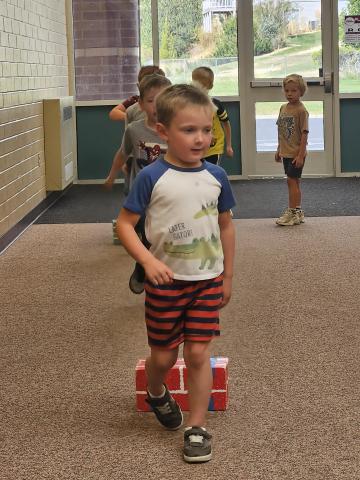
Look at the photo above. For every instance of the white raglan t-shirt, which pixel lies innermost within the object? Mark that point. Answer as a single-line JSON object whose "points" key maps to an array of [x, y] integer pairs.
{"points": [[181, 207]]}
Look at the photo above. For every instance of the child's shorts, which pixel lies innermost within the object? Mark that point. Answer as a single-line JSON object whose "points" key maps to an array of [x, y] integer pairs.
{"points": [[290, 169], [182, 311]]}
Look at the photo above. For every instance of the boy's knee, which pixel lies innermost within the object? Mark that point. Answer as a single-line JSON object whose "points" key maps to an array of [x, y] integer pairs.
{"points": [[196, 353], [292, 181], [162, 360]]}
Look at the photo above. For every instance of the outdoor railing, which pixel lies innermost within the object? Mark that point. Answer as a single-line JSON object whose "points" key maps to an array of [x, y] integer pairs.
{"points": [[216, 4]]}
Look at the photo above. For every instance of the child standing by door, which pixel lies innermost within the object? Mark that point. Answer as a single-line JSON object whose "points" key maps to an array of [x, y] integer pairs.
{"points": [[293, 130]]}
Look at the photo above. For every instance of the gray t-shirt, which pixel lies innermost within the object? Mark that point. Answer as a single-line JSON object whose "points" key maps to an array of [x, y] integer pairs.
{"points": [[133, 114], [142, 144]]}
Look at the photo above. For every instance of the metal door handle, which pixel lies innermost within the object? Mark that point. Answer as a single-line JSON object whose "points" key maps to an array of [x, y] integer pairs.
{"points": [[328, 82]]}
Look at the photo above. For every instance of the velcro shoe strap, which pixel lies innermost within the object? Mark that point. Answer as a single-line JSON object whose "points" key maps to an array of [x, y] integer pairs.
{"points": [[197, 431]]}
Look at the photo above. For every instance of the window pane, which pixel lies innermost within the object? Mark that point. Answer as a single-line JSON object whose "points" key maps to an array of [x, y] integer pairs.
{"points": [[287, 38], [146, 48], [349, 54], [102, 71], [195, 33], [266, 128]]}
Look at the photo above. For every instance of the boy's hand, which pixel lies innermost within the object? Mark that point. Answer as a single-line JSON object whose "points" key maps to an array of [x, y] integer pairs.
{"points": [[109, 183], [124, 169], [229, 151], [277, 157], [227, 287], [298, 161], [157, 272]]}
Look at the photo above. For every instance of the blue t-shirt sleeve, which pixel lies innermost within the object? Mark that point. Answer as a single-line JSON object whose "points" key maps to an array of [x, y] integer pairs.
{"points": [[140, 194], [226, 199]]}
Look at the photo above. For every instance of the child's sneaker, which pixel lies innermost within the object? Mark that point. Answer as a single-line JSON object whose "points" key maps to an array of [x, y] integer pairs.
{"points": [[137, 279], [289, 217], [197, 445], [167, 410], [301, 215]]}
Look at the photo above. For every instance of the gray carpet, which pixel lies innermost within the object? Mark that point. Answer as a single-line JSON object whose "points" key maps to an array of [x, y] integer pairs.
{"points": [[322, 197], [71, 334]]}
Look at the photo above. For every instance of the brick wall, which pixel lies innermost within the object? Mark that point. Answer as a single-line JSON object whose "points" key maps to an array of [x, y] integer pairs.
{"points": [[33, 66], [106, 41]]}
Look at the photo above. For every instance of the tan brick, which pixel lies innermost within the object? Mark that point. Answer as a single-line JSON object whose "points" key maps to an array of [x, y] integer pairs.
{"points": [[33, 56]]}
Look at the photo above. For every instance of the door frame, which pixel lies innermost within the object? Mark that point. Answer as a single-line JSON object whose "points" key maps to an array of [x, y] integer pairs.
{"points": [[250, 94]]}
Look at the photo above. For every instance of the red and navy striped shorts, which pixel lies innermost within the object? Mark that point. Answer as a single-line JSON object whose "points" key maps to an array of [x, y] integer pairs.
{"points": [[184, 310]]}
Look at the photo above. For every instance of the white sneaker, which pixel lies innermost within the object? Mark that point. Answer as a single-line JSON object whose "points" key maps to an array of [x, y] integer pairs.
{"points": [[116, 240], [288, 218], [300, 214]]}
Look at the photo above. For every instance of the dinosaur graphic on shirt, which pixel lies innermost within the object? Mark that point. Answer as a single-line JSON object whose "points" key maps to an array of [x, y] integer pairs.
{"points": [[209, 209], [207, 251]]}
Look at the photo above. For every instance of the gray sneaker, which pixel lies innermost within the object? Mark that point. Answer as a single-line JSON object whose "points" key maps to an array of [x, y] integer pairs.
{"points": [[137, 279], [197, 445], [167, 410], [288, 218]]}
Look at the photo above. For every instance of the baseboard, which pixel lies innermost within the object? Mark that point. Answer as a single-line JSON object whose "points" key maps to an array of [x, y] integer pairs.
{"points": [[14, 233]]}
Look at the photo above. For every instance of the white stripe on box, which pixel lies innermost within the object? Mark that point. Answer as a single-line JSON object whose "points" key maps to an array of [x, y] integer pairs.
{"points": [[141, 392], [182, 383]]}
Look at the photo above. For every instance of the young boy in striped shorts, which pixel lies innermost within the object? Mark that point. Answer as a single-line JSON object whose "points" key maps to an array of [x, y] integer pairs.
{"points": [[189, 266]]}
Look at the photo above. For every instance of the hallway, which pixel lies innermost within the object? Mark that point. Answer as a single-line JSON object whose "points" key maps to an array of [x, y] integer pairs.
{"points": [[70, 343]]}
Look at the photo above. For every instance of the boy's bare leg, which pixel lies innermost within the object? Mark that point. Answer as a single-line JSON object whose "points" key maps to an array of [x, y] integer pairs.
{"points": [[200, 380], [157, 366], [294, 192]]}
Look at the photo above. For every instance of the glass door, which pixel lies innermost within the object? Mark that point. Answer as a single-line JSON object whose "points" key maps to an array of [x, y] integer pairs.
{"points": [[288, 36]]}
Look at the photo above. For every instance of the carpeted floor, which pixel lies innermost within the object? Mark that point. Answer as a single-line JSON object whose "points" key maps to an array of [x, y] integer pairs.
{"points": [[70, 341], [322, 197]]}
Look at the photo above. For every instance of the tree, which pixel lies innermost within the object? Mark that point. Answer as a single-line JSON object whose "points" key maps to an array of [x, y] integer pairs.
{"points": [[227, 42], [353, 7], [271, 18], [185, 18], [167, 46], [145, 29], [179, 20]]}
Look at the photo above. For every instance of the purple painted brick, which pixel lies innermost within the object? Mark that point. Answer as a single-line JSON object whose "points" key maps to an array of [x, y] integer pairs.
{"points": [[105, 24]]}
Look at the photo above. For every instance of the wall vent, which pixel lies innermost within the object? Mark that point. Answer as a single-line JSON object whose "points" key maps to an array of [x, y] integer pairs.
{"points": [[60, 142]]}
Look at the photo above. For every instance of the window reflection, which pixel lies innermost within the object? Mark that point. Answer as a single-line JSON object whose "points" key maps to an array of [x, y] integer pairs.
{"points": [[287, 38]]}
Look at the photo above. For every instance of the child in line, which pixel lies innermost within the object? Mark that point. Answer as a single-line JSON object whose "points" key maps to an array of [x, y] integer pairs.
{"points": [[129, 111], [203, 77], [189, 267], [121, 112], [142, 143], [293, 130]]}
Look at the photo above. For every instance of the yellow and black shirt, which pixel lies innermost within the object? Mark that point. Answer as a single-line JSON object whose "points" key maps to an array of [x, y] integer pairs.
{"points": [[218, 140]]}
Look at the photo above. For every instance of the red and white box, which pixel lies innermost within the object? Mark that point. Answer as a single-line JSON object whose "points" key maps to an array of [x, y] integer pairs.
{"points": [[176, 382]]}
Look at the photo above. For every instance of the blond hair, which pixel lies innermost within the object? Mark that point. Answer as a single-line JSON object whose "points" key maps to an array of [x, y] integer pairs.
{"points": [[152, 81], [177, 97], [204, 76], [298, 80]]}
